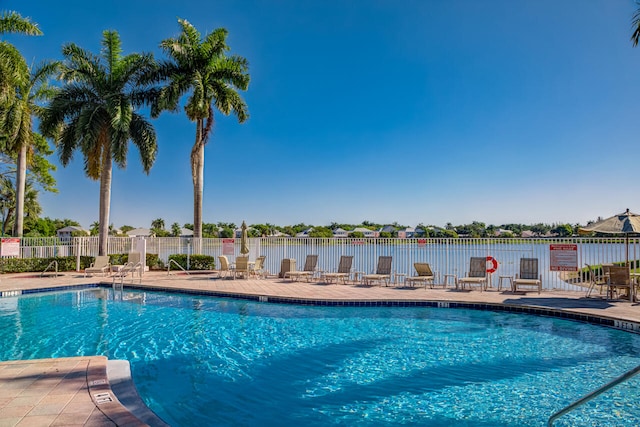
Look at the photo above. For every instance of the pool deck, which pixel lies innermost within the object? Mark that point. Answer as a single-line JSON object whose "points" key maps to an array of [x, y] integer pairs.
{"points": [[79, 391]]}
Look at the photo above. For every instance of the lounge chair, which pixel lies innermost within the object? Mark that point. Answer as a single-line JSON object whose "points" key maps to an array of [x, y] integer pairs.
{"points": [[309, 269], [101, 265], [241, 267], [619, 278], [382, 274], [343, 273], [595, 279], [424, 275], [257, 269], [225, 268], [477, 274], [135, 258], [528, 275]]}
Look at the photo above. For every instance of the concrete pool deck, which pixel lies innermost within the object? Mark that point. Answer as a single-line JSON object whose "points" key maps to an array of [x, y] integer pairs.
{"points": [[82, 391]]}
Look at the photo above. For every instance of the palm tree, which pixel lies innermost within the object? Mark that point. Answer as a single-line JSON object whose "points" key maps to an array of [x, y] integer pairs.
{"points": [[16, 124], [20, 90], [202, 68], [157, 224], [95, 112], [32, 208], [176, 230], [94, 229]]}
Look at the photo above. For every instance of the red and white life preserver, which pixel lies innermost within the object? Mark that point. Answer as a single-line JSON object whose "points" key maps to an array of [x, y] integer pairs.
{"points": [[494, 264]]}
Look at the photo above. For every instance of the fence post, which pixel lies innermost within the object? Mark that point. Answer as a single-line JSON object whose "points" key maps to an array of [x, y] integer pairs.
{"points": [[76, 241]]}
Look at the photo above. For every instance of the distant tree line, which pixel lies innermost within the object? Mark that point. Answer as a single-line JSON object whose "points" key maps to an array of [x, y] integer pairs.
{"points": [[47, 227]]}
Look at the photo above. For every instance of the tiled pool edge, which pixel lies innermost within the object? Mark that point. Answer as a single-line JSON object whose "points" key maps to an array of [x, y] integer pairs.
{"points": [[607, 321]]}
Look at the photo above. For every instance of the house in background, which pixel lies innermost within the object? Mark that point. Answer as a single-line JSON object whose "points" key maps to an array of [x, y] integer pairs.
{"points": [[406, 233], [389, 229], [185, 232], [71, 231], [140, 232], [339, 232], [366, 232], [304, 233]]}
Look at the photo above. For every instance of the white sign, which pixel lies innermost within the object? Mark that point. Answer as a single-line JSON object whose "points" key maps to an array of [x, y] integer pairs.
{"points": [[10, 247], [564, 257]]}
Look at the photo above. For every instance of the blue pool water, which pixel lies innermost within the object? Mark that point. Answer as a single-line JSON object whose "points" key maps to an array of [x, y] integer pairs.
{"points": [[200, 361]]}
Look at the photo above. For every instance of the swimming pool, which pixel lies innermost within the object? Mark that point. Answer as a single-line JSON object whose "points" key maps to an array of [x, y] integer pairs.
{"points": [[208, 361]]}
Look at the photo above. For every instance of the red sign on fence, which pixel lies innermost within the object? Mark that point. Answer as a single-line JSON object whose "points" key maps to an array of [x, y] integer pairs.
{"points": [[563, 257], [228, 246]]}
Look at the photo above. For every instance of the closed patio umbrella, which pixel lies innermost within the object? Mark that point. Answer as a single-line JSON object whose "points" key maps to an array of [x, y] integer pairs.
{"points": [[244, 240]]}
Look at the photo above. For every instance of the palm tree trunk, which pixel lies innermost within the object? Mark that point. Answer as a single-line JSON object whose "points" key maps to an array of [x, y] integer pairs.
{"points": [[197, 174], [21, 179], [105, 204]]}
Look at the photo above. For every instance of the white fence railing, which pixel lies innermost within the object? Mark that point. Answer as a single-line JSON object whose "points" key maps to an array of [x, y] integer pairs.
{"points": [[446, 256]]}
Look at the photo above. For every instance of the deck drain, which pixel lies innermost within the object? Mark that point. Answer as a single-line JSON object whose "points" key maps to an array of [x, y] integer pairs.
{"points": [[102, 398], [98, 382]]}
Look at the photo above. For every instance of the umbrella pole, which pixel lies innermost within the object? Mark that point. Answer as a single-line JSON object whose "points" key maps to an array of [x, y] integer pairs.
{"points": [[632, 285], [626, 236]]}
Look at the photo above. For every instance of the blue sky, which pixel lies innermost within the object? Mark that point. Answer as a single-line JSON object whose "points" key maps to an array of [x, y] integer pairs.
{"points": [[415, 111]]}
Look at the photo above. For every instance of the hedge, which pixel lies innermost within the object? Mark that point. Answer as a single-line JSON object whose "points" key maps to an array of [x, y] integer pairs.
{"points": [[68, 263], [196, 262]]}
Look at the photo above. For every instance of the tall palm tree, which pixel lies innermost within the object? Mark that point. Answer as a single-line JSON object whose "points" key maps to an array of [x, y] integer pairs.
{"points": [[200, 66], [95, 112], [16, 124], [21, 89]]}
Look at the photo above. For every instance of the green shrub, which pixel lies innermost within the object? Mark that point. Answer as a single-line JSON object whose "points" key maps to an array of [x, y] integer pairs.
{"points": [[118, 259], [151, 260], [154, 262], [196, 262], [23, 265]]}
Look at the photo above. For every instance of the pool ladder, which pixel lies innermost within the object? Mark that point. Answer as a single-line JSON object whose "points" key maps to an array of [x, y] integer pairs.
{"points": [[124, 272], [622, 378]]}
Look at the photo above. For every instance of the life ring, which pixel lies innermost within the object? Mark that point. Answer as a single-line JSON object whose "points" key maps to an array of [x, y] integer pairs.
{"points": [[494, 264]]}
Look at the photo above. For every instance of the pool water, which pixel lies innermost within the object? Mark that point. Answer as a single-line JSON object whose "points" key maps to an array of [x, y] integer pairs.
{"points": [[200, 361]]}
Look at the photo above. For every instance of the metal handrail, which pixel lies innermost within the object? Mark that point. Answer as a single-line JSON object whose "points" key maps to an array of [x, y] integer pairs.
{"points": [[593, 394], [178, 265], [50, 264], [124, 271]]}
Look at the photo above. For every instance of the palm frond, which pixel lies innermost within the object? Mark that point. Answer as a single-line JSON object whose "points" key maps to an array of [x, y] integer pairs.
{"points": [[111, 49], [635, 24], [13, 22]]}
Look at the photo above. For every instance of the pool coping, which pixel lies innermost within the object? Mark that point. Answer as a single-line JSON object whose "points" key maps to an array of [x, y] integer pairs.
{"points": [[599, 320]]}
